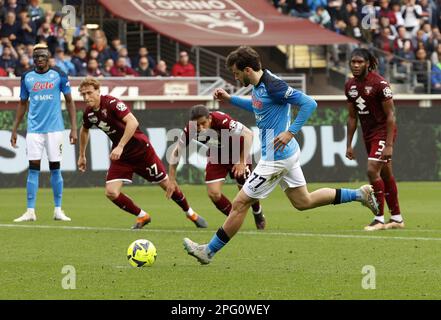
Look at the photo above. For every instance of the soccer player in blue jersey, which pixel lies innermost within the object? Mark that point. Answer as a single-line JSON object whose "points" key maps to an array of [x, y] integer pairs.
{"points": [[41, 91], [271, 102]]}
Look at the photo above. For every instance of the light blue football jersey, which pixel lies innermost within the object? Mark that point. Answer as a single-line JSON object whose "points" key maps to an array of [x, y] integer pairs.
{"points": [[271, 101], [43, 90]]}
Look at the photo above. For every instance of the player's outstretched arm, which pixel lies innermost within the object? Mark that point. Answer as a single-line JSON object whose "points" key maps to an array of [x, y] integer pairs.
{"points": [[21, 110], [84, 139], [243, 103], [70, 106], [350, 130]]}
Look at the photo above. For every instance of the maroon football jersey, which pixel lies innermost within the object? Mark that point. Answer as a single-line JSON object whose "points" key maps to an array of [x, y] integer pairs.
{"points": [[108, 118], [223, 143], [367, 97]]}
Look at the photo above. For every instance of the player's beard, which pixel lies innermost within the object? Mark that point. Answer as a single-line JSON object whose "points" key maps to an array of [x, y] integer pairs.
{"points": [[246, 81]]}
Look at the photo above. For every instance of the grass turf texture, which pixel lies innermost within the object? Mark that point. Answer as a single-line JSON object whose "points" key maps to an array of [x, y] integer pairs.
{"points": [[316, 254]]}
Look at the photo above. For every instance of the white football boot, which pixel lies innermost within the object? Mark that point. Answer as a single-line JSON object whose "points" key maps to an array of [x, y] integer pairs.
{"points": [[27, 216], [199, 251], [61, 216]]}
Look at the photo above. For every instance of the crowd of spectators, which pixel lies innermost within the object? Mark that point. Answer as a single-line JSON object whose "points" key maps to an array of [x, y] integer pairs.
{"points": [[24, 23], [405, 32]]}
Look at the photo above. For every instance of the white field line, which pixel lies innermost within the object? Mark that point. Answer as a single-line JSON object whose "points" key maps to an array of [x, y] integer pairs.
{"points": [[259, 233]]}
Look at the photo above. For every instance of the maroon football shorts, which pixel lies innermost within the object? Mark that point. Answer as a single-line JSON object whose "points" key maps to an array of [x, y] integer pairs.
{"points": [[146, 165], [374, 149], [218, 172]]}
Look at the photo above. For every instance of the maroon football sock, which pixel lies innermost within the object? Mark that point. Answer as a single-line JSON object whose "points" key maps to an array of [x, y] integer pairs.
{"points": [[126, 204], [180, 199], [379, 194], [256, 206], [391, 195], [223, 205]]}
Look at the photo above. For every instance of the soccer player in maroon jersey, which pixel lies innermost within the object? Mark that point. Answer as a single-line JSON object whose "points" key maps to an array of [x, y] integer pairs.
{"points": [[217, 130], [131, 153], [370, 100]]}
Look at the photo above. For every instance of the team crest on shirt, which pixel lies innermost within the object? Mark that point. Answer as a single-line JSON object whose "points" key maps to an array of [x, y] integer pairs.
{"points": [[121, 106], [104, 113], [367, 90]]}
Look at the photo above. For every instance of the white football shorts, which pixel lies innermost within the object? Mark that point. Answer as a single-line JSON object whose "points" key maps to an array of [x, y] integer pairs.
{"points": [[268, 174], [37, 142]]}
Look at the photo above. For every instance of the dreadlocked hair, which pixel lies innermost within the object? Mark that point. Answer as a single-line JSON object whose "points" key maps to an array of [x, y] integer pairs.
{"points": [[368, 56]]}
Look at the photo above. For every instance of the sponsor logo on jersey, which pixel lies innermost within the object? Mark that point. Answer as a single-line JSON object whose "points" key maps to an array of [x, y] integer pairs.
{"points": [[256, 103], [289, 92], [367, 90], [93, 118], [121, 106], [43, 97], [233, 124], [353, 93], [387, 92], [42, 86]]}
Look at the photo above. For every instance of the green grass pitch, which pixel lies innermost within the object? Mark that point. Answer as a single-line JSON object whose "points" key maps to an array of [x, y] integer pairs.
{"points": [[316, 254]]}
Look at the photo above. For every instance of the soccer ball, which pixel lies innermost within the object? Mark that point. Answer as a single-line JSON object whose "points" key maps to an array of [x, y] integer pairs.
{"points": [[141, 253]]}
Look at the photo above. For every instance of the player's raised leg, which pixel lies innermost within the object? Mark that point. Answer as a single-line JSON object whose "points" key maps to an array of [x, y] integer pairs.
{"points": [[391, 195], [205, 252], [214, 191], [114, 194], [179, 198], [259, 217]]}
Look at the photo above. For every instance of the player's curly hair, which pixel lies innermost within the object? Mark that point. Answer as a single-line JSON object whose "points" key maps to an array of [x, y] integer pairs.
{"points": [[243, 57], [366, 55]]}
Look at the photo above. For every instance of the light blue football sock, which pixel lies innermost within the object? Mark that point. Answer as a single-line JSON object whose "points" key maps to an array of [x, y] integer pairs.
{"points": [[57, 186], [32, 187], [219, 240], [349, 195]]}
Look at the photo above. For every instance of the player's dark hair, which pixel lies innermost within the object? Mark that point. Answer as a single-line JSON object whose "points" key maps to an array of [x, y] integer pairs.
{"points": [[366, 55], [198, 111], [243, 57]]}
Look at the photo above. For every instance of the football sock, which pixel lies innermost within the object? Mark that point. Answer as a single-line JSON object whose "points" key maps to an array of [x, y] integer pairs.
{"points": [[380, 218], [219, 240], [142, 214], [223, 205], [32, 187], [379, 194], [57, 186], [397, 217], [180, 200], [126, 204], [391, 195], [257, 209], [345, 195]]}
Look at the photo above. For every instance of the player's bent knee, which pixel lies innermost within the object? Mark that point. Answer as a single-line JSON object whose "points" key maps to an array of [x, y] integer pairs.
{"points": [[54, 165], [112, 194], [34, 165], [214, 195]]}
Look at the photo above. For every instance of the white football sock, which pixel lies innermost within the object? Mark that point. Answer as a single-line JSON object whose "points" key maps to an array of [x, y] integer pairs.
{"points": [[380, 218], [58, 210], [31, 210], [190, 212], [397, 217], [142, 214]]}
